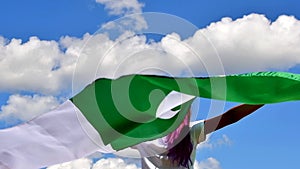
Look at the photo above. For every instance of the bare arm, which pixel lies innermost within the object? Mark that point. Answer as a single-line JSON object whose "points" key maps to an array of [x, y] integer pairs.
{"points": [[231, 116]]}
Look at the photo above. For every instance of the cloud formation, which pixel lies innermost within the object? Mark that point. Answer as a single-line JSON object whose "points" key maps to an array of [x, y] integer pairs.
{"points": [[113, 163], [210, 163], [251, 43], [84, 163], [24, 107], [122, 7], [129, 8], [254, 43], [37, 66], [217, 142], [46, 68]]}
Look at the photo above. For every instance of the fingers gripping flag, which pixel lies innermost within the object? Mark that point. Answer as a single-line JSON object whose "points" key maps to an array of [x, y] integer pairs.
{"points": [[113, 114]]}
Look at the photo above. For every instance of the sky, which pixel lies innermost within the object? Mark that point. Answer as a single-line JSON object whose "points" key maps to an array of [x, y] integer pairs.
{"points": [[49, 50]]}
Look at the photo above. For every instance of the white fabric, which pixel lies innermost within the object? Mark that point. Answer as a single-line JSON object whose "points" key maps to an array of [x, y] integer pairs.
{"points": [[152, 148], [172, 100], [52, 138], [59, 136]]}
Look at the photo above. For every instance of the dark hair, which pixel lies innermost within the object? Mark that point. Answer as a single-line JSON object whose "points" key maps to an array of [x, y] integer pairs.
{"points": [[181, 150]]}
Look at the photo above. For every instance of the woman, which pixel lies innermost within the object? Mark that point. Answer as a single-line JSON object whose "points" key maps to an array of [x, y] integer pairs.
{"points": [[177, 150]]}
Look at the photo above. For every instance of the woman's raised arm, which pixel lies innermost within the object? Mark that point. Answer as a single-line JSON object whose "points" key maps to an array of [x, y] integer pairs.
{"points": [[231, 116]]}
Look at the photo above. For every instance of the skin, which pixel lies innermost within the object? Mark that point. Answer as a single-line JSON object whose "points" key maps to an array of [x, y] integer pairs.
{"points": [[231, 116]]}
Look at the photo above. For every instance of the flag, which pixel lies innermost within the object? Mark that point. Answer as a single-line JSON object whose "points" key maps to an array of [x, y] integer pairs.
{"points": [[111, 102], [113, 114]]}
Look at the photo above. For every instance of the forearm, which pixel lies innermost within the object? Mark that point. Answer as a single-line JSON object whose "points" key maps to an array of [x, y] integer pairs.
{"points": [[231, 116]]}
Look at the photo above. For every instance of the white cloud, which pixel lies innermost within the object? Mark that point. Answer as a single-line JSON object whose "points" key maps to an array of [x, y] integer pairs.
{"points": [[121, 7], [129, 8], [3, 41], [224, 140], [113, 163], [251, 43], [85, 163], [134, 22], [26, 107], [210, 163], [82, 163], [37, 66], [217, 142]]}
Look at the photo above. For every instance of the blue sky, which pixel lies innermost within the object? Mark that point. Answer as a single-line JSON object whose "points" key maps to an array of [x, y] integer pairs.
{"points": [[265, 139], [51, 20]]}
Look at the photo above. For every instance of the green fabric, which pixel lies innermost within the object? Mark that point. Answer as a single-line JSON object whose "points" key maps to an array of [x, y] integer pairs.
{"points": [[123, 122], [250, 88], [123, 110]]}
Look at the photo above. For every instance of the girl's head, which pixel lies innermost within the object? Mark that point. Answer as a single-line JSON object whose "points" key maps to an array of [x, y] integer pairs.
{"points": [[180, 144]]}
